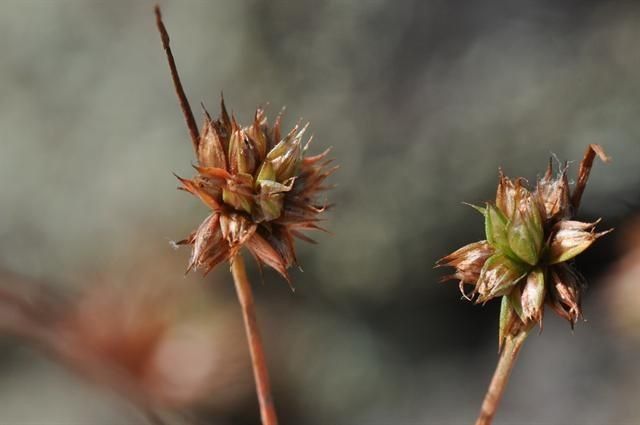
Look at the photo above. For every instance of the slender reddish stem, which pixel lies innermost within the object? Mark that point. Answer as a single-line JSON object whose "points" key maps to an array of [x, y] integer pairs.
{"points": [[260, 372], [508, 356], [182, 97]]}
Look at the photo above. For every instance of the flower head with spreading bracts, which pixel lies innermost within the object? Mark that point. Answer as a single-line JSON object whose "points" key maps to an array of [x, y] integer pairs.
{"points": [[261, 189], [259, 185], [531, 239]]}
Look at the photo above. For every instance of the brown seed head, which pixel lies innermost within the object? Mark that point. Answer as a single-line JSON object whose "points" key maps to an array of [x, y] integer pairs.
{"points": [[260, 187], [261, 191], [531, 242]]}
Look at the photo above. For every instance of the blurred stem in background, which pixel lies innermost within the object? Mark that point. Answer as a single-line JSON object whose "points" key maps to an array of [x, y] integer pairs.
{"points": [[258, 362], [508, 356], [38, 316]]}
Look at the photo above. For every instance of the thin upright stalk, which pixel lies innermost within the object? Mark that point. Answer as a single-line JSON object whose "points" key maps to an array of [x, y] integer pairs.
{"points": [[182, 97], [508, 356], [258, 362]]}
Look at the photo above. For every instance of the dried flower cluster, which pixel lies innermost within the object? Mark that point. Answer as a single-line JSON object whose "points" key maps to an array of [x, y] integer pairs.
{"points": [[260, 187], [531, 239]]}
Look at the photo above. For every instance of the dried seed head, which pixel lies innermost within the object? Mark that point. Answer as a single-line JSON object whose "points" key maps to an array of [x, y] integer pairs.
{"points": [[261, 192], [530, 238], [260, 187]]}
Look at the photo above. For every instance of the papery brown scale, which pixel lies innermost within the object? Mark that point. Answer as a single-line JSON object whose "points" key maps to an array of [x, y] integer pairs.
{"points": [[510, 322], [287, 155], [281, 241], [307, 226], [565, 289], [525, 230], [224, 121], [262, 250], [570, 238], [560, 310], [242, 184], [533, 295], [242, 155], [257, 134], [310, 160], [515, 300], [210, 150], [299, 212], [303, 237], [186, 241], [548, 174], [218, 256], [310, 181], [236, 228], [206, 239], [275, 133], [468, 261], [505, 195], [214, 173], [211, 189], [239, 193], [498, 275], [196, 189], [552, 194], [270, 207]]}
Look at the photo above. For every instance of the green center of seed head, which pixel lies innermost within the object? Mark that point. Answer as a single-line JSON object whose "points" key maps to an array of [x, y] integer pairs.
{"points": [[517, 235]]}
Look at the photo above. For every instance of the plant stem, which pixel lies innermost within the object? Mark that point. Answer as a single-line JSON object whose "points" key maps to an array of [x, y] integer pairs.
{"points": [[508, 356], [182, 97], [260, 372]]}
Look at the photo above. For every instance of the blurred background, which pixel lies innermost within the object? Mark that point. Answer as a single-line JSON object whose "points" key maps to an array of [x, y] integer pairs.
{"points": [[422, 101]]}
